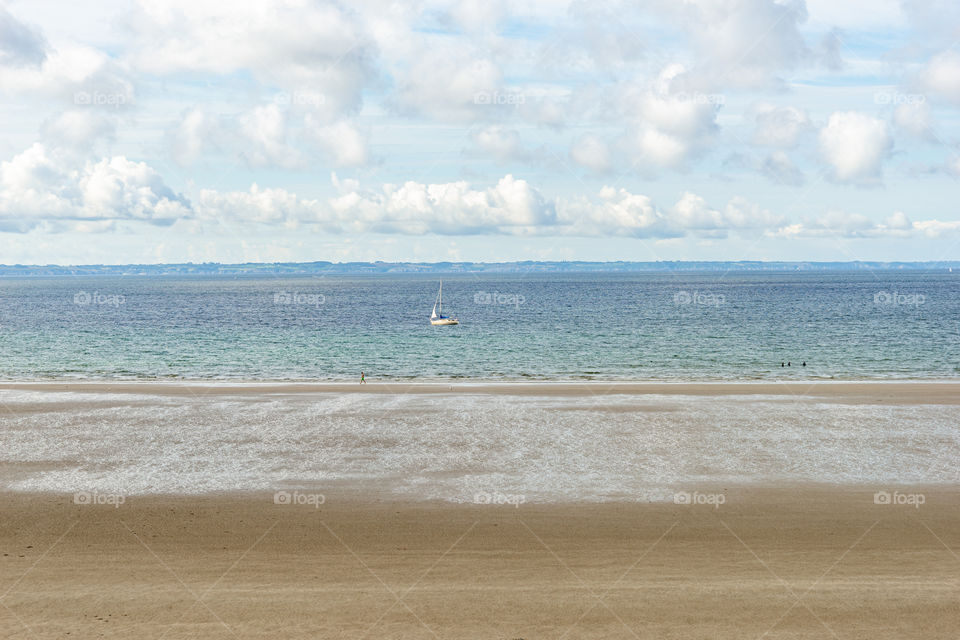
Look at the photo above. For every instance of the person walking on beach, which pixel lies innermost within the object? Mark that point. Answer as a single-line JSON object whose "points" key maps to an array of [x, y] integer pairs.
{"points": [[363, 380]]}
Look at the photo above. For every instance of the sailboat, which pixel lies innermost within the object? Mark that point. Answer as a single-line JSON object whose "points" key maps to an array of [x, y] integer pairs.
{"points": [[438, 318]]}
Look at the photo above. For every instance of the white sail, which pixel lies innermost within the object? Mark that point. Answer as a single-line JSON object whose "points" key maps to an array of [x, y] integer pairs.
{"points": [[438, 318]]}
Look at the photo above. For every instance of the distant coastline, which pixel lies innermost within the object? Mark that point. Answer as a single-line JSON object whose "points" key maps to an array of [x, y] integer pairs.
{"points": [[527, 266]]}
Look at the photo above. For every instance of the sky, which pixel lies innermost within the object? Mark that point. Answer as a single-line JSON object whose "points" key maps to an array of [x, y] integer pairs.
{"points": [[296, 130]]}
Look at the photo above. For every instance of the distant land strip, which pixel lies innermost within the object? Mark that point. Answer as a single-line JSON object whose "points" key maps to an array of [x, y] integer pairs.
{"points": [[330, 268]]}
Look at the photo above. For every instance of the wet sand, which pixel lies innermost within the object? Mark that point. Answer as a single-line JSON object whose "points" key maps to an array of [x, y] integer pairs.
{"points": [[894, 392], [787, 562]]}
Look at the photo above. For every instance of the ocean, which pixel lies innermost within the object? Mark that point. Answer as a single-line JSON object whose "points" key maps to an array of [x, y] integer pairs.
{"points": [[573, 327]]}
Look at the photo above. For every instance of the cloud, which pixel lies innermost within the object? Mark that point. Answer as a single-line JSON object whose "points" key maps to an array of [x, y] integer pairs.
{"points": [[48, 188], [261, 206], [314, 47], [499, 142], [75, 74], [828, 51], [855, 145], [941, 76], [778, 126], [744, 43], [916, 118], [43, 185], [20, 44], [620, 212], [511, 206], [671, 126], [342, 142], [779, 168], [839, 224], [193, 135], [79, 129], [591, 152], [265, 131], [452, 85]]}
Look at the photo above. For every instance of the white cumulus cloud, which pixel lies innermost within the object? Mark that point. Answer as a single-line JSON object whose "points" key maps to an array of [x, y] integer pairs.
{"points": [[855, 145], [42, 185]]}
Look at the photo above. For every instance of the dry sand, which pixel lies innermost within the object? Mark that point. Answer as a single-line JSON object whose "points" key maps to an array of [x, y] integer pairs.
{"points": [[801, 562]]}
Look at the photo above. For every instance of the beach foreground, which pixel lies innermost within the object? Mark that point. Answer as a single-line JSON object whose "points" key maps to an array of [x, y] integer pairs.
{"points": [[801, 562], [479, 511]]}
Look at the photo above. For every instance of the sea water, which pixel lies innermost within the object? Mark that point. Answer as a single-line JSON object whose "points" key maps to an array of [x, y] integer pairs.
{"points": [[700, 326]]}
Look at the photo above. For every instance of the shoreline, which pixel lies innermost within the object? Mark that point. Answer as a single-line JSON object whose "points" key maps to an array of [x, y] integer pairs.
{"points": [[905, 391]]}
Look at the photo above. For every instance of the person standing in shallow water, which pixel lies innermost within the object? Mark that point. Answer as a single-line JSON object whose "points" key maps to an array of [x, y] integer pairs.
{"points": [[363, 380]]}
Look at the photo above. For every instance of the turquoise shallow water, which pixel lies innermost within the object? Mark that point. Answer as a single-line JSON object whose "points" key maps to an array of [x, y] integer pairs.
{"points": [[706, 326]]}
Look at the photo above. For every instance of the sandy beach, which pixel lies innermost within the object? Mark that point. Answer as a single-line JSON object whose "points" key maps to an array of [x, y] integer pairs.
{"points": [[802, 562], [565, 511], [946, 392]]}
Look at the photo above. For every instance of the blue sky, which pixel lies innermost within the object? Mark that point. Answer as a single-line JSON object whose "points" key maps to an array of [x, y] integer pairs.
{"points": [[703, 129]]}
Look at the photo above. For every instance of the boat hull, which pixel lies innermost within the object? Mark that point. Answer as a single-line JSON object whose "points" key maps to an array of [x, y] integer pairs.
{"points": [[439, 322]]}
